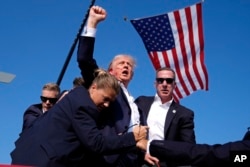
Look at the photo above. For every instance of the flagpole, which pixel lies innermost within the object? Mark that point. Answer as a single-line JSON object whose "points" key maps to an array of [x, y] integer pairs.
{"points": [[71, 51]]}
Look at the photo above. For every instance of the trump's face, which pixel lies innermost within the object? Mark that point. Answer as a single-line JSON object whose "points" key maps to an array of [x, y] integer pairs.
{"points": [[122, 68]]}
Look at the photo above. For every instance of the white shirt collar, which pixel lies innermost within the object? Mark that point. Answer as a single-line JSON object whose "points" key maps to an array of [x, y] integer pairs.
{"points": [[157, 99]]}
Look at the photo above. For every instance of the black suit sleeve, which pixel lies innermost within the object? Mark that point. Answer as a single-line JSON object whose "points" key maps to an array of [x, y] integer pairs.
{"points": [[186, 129], [92, 138], [86, 62], [204, 155], [30, 115]]}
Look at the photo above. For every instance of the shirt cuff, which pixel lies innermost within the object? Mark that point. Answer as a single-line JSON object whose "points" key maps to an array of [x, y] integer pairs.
{"points": [[89, 32], [148, 145]]}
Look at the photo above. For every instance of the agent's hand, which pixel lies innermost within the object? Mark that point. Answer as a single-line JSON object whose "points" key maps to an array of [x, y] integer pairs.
{"points": [[96, 14], [151, 160], [140, 132], [142, 144]]}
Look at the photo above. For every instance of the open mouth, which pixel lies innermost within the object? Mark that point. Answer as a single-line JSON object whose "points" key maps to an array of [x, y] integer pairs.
{"points": [[125, 72]]}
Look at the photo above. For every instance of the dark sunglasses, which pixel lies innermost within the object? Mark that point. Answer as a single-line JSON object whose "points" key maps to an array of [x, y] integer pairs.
{"points": [[168, 80], [51, 100]]}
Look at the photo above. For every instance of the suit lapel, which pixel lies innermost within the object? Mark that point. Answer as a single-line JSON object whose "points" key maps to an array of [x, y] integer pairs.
{"points": [[144, 109], [148, 105], [124, 97], [169, 117], [123, 115]]}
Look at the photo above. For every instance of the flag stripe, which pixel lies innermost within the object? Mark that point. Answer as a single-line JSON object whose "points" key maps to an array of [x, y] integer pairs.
{"points": [[191, 17], [165, 56], [193, 49], [182, 56], [155, 59], [201, 41]]}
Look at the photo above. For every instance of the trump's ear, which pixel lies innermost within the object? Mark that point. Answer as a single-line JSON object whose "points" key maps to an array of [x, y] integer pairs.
{"points": [[111, 71]]}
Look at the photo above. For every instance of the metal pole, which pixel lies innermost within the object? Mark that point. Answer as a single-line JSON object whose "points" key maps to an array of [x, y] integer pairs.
{"points": [[71, 51]]}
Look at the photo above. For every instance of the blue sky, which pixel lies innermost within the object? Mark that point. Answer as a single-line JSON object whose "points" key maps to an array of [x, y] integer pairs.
{"points": [[36, 37]]}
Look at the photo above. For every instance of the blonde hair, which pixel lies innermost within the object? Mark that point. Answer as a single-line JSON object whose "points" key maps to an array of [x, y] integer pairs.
{"points": [[104, 80], [52, 87]]}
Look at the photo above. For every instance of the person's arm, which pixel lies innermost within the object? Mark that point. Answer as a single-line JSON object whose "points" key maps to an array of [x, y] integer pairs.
{"points": [[86, 62], [186, 129], [204, 155], [30, 115], [94, 140]]}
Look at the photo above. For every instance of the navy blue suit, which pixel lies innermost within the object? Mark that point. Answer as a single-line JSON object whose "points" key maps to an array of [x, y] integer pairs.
{"points": [[117, 117], [179, 122], [203, 155], [31, 114], [68, 135]]}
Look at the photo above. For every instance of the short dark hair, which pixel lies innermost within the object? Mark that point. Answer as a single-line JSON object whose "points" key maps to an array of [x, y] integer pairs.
{"points": [[78, 81], [165, 69]]}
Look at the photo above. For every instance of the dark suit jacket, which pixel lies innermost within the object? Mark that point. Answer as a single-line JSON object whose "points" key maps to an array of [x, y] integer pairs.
{"points": [[203, 155], [67, 135], [31, 114], [117, 117], [179, 123]]}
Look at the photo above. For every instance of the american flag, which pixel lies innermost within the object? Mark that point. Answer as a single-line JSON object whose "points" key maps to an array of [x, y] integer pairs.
{"points": [[175, 40]]}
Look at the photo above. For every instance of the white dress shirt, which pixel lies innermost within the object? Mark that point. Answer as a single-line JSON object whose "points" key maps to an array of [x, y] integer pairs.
{"points": [[89, 32], [156, 119]]}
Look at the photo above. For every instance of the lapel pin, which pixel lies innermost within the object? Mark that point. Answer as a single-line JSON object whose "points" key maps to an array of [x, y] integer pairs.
{"points": [[174, 111]]}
